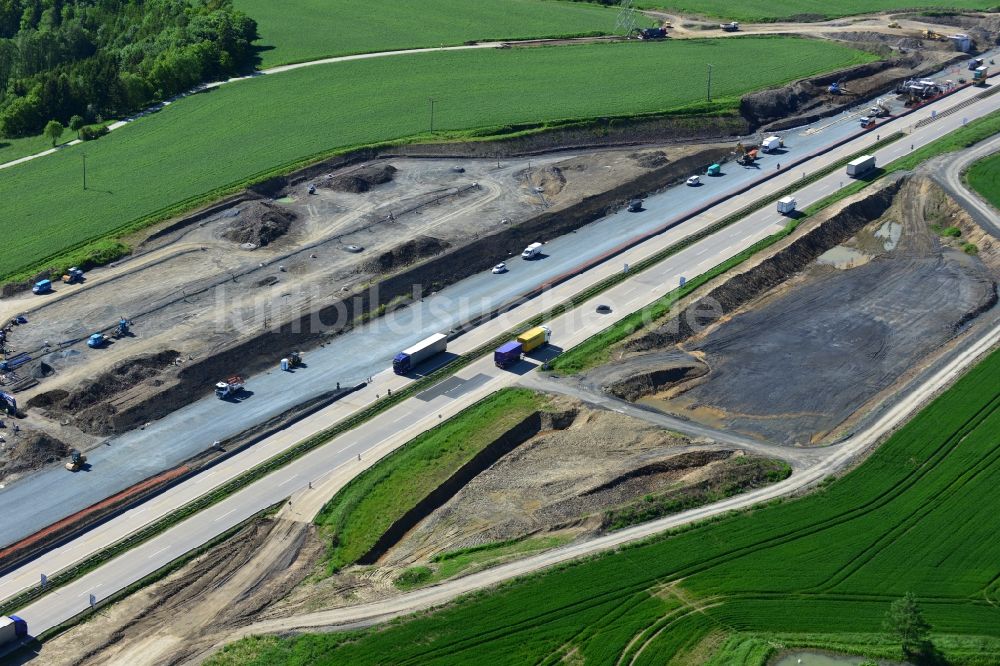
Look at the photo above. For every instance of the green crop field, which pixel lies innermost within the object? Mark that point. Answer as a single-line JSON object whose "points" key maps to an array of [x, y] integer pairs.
{"points": [[776, 10], [919, 515], [216, 141], [984, 177], [365, 508], [299, 30]]}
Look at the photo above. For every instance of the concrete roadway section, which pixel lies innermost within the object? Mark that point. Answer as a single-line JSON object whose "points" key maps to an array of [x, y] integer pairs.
{"points": [[134, 456], [347, 455]]}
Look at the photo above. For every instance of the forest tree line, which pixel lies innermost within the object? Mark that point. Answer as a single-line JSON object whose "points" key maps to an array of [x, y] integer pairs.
{"points": [[98, 59]]}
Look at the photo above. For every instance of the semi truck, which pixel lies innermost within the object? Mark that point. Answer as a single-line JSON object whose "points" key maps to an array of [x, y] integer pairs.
{"points": [[860, 166], [410, 357], [511, 352], [12, 628]]}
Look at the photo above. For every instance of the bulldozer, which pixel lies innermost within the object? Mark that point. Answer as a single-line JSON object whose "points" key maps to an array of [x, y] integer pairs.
{"points": [[930, 34], [76, 461]]}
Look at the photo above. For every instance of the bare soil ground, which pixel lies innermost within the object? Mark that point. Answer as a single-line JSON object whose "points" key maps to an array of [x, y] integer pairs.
{"points": [[829, 338], [193, 289]]}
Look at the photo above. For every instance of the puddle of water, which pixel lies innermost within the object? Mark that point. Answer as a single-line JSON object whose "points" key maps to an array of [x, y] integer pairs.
{"points": [[843, 257], [890, 233]]}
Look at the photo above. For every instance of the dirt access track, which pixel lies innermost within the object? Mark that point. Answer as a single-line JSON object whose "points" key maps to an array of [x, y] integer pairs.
{"points": [[820, 330]]}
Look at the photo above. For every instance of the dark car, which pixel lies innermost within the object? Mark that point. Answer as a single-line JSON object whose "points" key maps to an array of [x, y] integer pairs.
{"points": [[604, 309]]}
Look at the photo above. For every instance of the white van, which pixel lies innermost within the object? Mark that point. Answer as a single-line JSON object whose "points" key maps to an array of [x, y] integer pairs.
{"points": [[532, 251]]}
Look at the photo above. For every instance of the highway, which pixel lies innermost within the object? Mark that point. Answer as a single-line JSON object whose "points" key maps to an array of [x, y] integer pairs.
{"points": [[132, 457], [340, 457]]}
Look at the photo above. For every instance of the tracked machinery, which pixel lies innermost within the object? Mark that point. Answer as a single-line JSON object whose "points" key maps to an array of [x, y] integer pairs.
{"points": [[745, 155]]}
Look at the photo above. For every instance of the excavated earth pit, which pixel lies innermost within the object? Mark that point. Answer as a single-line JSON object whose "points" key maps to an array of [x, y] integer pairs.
{"points": [[824, 326]]}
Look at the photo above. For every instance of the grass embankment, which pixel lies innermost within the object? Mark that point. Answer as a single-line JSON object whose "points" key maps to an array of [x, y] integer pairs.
{"points": [[809, 10], [984, 177], [207, 145], [918, 515], [300, 30], [365, 508], [597, 350]]}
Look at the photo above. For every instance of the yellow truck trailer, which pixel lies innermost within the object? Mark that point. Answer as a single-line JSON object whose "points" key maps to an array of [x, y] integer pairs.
{"points": [[534, 338]]}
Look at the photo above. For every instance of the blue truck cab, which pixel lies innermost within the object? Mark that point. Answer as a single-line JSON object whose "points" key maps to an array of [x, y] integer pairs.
{"points": [[42, 287]]}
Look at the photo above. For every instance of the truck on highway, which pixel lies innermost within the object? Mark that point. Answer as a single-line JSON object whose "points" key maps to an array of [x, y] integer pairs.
{"points": [[12, 628], [532, 251], [860, 166], [511, 352], [410, 357], [786, 205]]}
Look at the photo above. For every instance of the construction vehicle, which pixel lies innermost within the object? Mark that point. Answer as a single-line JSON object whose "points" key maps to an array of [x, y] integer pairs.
{"points": [[12, 628], [76, 461], [408, 359], [980, 75], [293, 361], [867, 122], [975, 63], [732, 26], [931, 34], [837, 88], [879, 109], [651, 33], [893, 24], [123, 329], [229, 388], [8, 403], [97, 340], [73, 276], [635, 206], [745, 155], [42, 287]]}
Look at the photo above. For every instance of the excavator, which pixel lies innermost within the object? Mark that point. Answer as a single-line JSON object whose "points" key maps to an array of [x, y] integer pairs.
{"points": [[76, 461], [745, 155]]}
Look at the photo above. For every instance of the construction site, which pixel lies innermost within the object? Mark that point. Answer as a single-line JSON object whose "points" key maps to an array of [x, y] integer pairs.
{"points": [[289, 279]]}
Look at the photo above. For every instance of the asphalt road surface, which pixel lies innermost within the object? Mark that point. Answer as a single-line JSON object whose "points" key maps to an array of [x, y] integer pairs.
{"points": [[399, 424], [366, 351]]}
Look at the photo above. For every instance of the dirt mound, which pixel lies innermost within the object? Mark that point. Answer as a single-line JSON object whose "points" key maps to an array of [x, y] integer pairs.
{"points": [[405, 254], [361, 180], [259, 223], [983, 28], [650, 160], [89, 406], [29, 450], [549, 180]]}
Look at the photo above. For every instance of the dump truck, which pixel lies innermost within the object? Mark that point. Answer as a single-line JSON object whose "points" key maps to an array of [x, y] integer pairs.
{"points": [[867, 122], [507, 354], [732, 26], [652, 33], [76, 461], [73, 276], [980, 75], [12, 628], [771, 144], [786, 205], [534, 338], [229, 388], [42, 287], [860, 166], [975, 64], [410, 357]]}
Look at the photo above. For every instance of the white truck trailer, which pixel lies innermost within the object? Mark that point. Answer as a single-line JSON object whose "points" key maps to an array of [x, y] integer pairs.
{"points": [[860, 166], [408, 359]]}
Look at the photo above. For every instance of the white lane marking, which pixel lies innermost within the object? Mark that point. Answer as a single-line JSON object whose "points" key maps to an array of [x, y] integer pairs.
{"points": [[165, 548], [224, 515], [288, 480]]}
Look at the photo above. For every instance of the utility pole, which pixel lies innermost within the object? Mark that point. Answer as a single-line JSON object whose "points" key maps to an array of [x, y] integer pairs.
{"points": [[84, 170], [709, 95], [432, 100]]}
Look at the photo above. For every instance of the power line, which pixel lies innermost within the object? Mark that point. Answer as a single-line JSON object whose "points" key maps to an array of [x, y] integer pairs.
{"points": [[627, 18]]}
